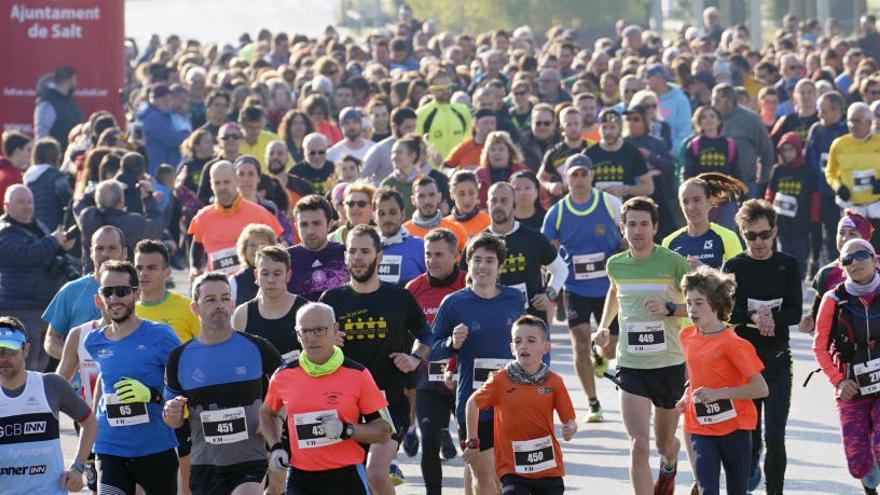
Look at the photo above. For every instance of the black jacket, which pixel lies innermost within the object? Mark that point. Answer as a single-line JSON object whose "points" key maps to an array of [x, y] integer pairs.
{"points": [[29, 274]]}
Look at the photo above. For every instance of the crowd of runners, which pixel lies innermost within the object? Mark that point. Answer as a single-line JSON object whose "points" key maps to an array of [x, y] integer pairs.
{"points": [[380, 233]]}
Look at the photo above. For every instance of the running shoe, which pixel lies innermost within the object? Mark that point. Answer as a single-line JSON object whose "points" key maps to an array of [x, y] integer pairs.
{"points": [[596, 415], [872, 479], [870, 491], [754, 477], [396, 475], [411, 443], [600, 364], [447, 446], [665, 484]]}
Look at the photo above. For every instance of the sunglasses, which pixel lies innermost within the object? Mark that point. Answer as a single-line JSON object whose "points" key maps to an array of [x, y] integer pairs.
{"points": [[230, 138], [440, 87], [317, 152], [543, 123], [360, 203], [764, 235], [117, 290], [856, 256]]}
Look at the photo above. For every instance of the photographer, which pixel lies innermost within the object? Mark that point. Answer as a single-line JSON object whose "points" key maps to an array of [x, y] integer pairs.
{"points": [[32, 268]]}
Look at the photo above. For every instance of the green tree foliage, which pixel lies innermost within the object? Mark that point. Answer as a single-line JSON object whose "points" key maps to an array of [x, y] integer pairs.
{"points": [[475, 16]]}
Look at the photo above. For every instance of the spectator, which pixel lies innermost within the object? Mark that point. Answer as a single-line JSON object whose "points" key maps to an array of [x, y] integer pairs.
{"points": [[56, 112], [673, 107], [15, 160], [110, 210], [162, 139], [32, 268], [50, 186]]}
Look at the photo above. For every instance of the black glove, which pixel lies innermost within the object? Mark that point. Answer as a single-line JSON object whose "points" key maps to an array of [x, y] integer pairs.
{"points": [[875, 183], [842, 193]]}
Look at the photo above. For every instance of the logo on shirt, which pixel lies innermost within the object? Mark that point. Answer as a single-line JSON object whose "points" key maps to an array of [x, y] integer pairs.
{"points": [[599, 229], [545, 390], [198, 375], [141, 347], [708, 244], [332, 397], [369, 328], [104, 354], [317, 264], [789, 186], [514, 263], [241, 370], [32, 402]]}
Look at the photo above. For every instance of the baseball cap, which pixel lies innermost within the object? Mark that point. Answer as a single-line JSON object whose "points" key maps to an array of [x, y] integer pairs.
{"points": [[350, 113], [578, 160], [159, 90], [229, 128], [658, 69], [12, 338]]}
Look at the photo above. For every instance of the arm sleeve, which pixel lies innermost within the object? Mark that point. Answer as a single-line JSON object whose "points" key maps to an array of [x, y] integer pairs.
{"points": [[740, 313], [823, 337], [791, 310], [172, 383], [65, 397]]}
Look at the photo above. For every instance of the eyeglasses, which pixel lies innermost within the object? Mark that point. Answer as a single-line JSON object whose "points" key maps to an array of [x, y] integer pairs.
{"points": [[856, 256], [440, 87], [230, 138], [764, 235], [873, 92], [360, 203], [317, 152], [314, 332], [117, 290], [520, 93], [543, 123]]}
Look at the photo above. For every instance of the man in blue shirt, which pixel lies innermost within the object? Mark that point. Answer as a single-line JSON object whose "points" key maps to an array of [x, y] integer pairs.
{"points": [[133, 446], [403, 257], [75, 302]]}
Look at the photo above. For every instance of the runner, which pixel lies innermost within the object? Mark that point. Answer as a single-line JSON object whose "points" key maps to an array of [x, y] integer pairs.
{"points": [[74, 304], [358, 201], [318, 264], [528, 459], [473, 324], [765, 307], [466, 212], [528, 254], [403, 255], [156, 303], [31, 458], [220, 377], [551, 174], [379, 321], [725, 375], [583, 226], [271, 315], [619, 167], [216, 227], [427, 198], [701, 241], [645, 293], [133, 446], [434, 400], [844, 332], [326, 447]]}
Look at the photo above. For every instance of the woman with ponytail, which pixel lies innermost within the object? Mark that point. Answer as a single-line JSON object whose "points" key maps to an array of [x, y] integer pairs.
{"points": [[702, 241]]}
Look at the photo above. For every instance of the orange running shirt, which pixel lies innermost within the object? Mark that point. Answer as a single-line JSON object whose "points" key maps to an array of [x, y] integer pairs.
{"points": [[349, 392], [715, 361], [445, 223], [525, 444], [475, 225]]}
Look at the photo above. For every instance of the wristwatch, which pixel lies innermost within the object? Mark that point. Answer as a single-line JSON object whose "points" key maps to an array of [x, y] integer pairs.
{"points": [[78, 466], [670, 308], [471, 443], [347, 431]]}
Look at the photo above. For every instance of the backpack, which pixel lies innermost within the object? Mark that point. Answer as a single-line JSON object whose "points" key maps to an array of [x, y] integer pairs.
{"points": [[731, 148], [840, 343]]}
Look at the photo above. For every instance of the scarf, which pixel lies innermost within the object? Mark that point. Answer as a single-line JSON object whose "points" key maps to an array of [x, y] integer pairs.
{"points": [[465, 217], [520, 376], [426, 223], [315, 370], [865, 290], [443, 282], [397, 238]]}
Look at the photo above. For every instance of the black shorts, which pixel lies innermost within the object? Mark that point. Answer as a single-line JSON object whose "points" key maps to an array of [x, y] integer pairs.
{"points": [[580, 309], [184, 439], [350, 480], [155, 473], [664, 386], [485, 432], [209, 480], [512, 484]]}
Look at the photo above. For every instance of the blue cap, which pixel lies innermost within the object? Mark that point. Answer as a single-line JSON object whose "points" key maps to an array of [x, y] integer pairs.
{"points": [[12, 338], [350, 113]]}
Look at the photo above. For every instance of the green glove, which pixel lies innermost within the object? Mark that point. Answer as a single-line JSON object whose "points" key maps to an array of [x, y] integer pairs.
{"points": [[129, 390]]}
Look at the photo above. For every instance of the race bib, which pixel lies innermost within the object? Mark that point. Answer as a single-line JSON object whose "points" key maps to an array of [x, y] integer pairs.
{"points": [[483, 367], [863, 180], [291, 356], [605, 184], [224, 260], [436, 370], [389, 268], [533, 456], [589, 266], [644, 337], [868, 376], [224, 426], [119, 414], [525, 292], [310, 431], [714, 412], [785, 205], [753, 305]]}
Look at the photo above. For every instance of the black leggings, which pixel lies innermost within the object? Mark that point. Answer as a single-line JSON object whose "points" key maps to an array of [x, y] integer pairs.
{"points": [[432, 411], [512, 484], [155, 473], [775, 408], [350, 480]]}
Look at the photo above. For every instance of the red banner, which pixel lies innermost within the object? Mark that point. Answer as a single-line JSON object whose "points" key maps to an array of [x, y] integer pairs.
{"points": [[38, 36]]}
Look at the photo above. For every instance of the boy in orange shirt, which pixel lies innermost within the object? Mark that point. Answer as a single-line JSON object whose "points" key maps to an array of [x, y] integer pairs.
{"points": [[466, 211], [528, 459], [725, 375]]}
